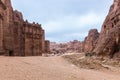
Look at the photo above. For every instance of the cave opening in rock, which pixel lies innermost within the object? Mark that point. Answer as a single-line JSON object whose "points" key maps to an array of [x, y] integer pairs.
{"points": [[11, 53], [115, 50], [104, 26]]}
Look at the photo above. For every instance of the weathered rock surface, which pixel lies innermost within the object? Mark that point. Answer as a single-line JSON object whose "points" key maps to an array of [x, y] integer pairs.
{"points": [[90, 41], [108, 43], [68, 47], [19, 37]]}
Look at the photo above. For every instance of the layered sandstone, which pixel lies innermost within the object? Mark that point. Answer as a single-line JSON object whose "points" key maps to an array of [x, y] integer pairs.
{"points": [[19, 37]]}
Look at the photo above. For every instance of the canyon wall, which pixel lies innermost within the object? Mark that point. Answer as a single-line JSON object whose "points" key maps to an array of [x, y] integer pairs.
{"points": [[19, 37], [108, 43], [91, 40]]}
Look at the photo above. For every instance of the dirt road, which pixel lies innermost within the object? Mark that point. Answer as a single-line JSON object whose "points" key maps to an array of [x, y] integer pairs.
{"points": [[47, 68]]}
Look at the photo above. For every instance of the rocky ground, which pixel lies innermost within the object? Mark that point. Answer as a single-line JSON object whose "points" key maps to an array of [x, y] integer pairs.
{"points": [[93, 62], [50, 68]]}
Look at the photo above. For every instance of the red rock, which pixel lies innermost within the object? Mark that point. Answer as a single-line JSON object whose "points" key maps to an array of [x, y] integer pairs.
{"points": [[109, 41], [19, 37], [90, 41]]}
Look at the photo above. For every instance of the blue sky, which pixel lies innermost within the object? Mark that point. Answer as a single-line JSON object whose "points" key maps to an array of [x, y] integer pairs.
{"points": [[64, 20]]}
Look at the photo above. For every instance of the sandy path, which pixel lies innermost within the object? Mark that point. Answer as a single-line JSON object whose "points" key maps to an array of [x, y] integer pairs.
{"points": [[47, 68]]}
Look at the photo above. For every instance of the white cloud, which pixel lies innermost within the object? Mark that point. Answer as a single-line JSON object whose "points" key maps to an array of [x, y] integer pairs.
{"points": [[68, 37], [73, 21], [72, 26], [89, 19]]}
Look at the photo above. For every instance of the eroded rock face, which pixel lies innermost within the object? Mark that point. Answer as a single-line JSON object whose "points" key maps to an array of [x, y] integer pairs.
{"points": [[109, 41], [74, 46], [19, 37], [47, 46], [90, 41]]}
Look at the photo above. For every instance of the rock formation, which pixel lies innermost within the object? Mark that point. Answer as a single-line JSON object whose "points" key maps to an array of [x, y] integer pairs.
{"points": [[90, 41], [19, 37], [47, 46], [108, 43], [72, 46]]}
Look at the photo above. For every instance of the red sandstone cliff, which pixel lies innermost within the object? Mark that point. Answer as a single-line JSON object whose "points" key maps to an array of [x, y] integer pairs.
{"points": [[19, 37], [90, 41], [108, 43]]}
